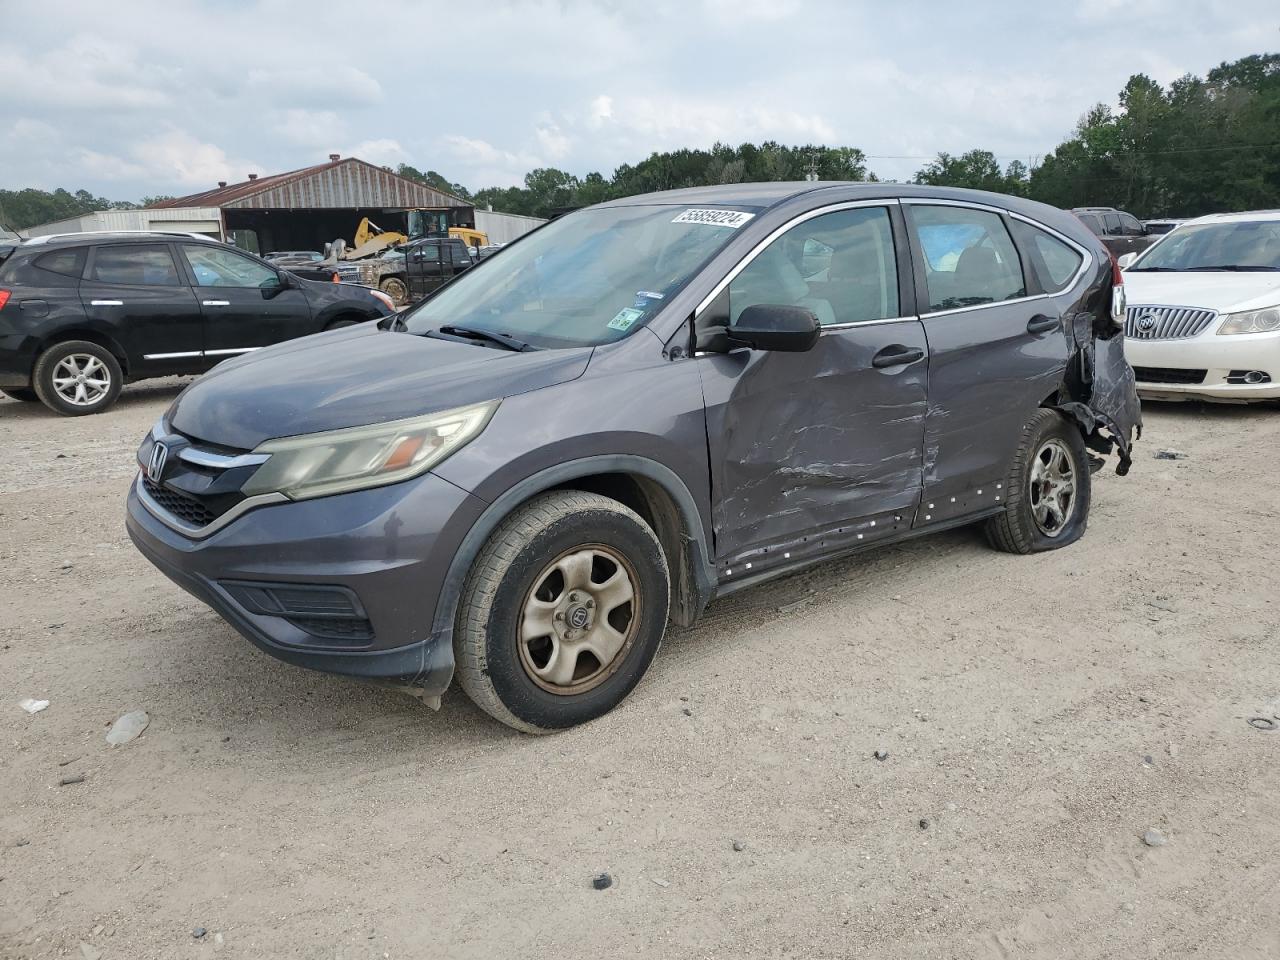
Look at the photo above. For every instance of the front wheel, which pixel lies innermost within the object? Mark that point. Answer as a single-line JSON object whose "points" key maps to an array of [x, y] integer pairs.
{"points": [[396, 289], [77, 378], [1049, 488], [562, 613]]}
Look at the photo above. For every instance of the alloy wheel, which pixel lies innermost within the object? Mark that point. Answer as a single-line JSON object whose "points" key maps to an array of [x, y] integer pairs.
{"points": [[1053, 488], [81, 379]]}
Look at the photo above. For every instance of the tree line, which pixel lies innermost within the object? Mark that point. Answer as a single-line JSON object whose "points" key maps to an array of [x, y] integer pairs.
{"points": [[1200, 145]]}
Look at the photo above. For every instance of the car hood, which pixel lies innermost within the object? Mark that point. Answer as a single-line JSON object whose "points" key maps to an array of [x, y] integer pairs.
{"points": [[352, 377], [1223, 292]]}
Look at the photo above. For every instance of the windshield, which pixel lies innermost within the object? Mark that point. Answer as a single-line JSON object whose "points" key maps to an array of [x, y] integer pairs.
{"points": [[1242, 245], [588, 278]]}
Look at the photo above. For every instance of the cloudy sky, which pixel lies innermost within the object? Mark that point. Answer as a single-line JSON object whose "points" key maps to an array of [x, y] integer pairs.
{"points": [[169, 96]]}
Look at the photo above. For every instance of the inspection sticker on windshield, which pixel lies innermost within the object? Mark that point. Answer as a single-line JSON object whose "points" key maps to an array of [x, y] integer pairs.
{"points": [[625, 318], [715, 218]]}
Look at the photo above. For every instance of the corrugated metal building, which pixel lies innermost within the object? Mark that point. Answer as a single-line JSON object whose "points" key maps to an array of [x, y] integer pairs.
{"points": [[505, 227], [206, 220], [304, 209]]}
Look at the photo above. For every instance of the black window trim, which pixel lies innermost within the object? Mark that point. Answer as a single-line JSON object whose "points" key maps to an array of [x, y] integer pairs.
{"points": [[1085, 264], [91, 263]]}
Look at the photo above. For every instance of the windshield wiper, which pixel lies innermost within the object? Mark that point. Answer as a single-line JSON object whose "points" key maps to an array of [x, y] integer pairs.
{"points": [[1154, 270], [1238, 268], [472, 333]]}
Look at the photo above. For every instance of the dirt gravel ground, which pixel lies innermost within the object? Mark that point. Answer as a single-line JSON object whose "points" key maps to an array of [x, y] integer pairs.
{"points": [[1039, 714]]}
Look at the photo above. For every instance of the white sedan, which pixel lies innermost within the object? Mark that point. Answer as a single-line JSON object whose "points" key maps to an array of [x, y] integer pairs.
{"points": [[1203, 319]]}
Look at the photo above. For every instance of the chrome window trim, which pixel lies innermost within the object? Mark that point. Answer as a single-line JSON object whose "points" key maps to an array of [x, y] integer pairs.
{"points": [[200, 533], [866, 323], [1086, 261], [755, 251]]}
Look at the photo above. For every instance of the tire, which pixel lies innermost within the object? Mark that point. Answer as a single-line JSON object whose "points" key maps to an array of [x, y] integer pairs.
{"points": [[20, 393], [518, 676], [101, 378], [1034, 520], [340, 323], [396, 289]]}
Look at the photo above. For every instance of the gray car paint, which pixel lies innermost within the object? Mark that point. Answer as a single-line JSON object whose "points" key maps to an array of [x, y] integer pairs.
{"points": [[752, 441]]}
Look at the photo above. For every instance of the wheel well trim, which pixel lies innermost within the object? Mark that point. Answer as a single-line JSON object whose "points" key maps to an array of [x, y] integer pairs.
{"points": [[558, 475], [62, 335]]}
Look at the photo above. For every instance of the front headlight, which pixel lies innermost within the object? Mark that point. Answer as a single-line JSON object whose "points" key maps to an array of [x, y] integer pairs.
{"points": [[1255, 321], [339, 461]]}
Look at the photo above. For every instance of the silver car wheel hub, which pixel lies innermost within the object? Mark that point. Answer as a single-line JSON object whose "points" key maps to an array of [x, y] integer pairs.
{"points": [[1052, 492]]}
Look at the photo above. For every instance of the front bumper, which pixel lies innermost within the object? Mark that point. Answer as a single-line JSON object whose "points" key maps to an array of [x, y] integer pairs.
{"points": [[389, 546], [1219, 357]]}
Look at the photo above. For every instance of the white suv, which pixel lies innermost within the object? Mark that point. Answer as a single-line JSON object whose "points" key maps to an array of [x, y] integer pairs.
{"points": [[1204, 310]]}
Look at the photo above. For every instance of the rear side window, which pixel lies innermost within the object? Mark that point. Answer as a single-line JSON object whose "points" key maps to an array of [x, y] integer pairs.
{"points": [[138, 264], [1055, 262], [969, 257], [68, 263], [1090, 221]]}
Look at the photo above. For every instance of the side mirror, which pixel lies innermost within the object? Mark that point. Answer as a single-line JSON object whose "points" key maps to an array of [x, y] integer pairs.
{"points": [[287, 282], [1126, 260], [772, 326]]}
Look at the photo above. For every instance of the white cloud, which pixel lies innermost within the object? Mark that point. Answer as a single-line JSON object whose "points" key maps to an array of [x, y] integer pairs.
{"points": [[153, 96], [312, 128], [553, 143], [382, 152], [174, 157]]}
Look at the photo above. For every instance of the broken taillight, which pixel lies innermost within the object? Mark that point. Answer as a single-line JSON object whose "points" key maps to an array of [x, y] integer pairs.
{"points": [[1119, 300], [4, 298]]}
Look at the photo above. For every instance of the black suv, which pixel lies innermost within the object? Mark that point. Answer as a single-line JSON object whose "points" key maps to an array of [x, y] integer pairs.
{"points": [[1119, 232], [82, 313]]}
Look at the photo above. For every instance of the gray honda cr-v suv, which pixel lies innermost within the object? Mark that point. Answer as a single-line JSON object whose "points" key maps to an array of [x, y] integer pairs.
{"points": [[633, 410]]}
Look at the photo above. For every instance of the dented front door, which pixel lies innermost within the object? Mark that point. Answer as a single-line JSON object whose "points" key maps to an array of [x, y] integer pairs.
{"points": [[814, 451]]}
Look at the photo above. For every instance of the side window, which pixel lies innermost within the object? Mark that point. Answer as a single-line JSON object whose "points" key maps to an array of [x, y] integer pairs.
{"points": [[218, 267], [1130, 225], [842, 266], [138, 264], [969, 257], [1091, 221], [1056, 262], [1111, 221], [68, 263]]}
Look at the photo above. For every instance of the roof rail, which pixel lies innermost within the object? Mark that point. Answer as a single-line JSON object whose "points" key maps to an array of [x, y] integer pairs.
{"points": [[45, 238]]}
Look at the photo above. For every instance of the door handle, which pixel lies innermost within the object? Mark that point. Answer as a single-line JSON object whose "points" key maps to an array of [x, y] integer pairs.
{"points": [[216, 303], [106, 303], [895, 355], [1042, 324]]}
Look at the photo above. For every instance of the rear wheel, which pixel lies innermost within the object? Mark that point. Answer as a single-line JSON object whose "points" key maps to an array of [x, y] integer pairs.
{"points": [[77, 378], [19, 393], [1049, 489], [562, 613]]}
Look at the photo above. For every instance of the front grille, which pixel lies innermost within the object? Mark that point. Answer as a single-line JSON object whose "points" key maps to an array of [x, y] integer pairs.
{"points": [[1166, 323], [349, 274], [189, 511], [1168, 375]]}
